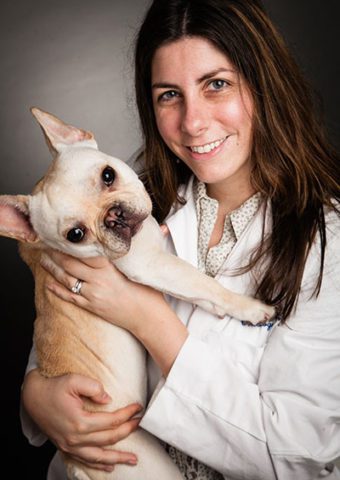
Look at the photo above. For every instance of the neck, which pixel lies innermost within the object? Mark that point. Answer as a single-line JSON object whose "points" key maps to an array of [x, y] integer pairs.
{"points": [[230, 196]]}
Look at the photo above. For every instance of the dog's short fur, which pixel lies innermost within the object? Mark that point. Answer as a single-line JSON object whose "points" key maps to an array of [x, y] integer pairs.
{"points": [[115, 217]]}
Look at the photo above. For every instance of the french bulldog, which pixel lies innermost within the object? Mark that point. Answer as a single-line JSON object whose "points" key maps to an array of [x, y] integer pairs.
{"points": [[91, 204]]}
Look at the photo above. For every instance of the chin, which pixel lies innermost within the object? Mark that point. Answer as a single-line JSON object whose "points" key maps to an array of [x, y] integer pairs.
{"points": [[210, 177]]}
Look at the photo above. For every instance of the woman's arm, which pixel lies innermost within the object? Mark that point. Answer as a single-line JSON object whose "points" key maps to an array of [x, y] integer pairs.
{"points": [[202, 389], [110, 295], [287, 426], [56, 404]]}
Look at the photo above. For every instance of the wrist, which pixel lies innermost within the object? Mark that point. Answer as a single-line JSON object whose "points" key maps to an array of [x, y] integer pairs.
{"points": [[163, 335]]}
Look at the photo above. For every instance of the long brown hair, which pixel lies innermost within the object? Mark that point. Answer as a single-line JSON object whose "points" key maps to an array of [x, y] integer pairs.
{"points": [[294, 165]]}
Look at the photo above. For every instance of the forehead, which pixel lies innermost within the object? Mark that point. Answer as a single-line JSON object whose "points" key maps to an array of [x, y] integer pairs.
{"points": [[187, 56]]}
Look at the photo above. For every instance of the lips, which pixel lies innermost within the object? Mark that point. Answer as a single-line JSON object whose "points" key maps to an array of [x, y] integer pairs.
{"points": [[207, 147]]}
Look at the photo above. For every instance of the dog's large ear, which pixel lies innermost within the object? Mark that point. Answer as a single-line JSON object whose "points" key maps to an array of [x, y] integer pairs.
{"points": [[59, 135], [14, 218]]}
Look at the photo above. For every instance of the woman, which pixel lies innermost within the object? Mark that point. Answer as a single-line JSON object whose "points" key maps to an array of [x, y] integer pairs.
{"points": [[240, 172]]}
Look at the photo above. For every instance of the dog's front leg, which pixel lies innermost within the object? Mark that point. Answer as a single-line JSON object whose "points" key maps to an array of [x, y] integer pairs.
{"points": [[174, 276]]}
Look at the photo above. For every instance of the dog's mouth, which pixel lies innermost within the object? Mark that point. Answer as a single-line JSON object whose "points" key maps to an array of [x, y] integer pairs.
{"points": [[124, 222]]}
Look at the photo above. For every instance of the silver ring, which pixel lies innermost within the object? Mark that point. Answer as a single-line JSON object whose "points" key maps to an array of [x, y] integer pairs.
{"points": [[77, 287]]}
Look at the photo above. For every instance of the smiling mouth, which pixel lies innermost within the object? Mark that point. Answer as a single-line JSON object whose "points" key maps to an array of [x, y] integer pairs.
{"points": [[208, 147]]}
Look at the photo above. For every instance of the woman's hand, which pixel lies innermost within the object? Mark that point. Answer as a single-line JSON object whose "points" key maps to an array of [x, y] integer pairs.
{"points": [[57, 407], [105, 291]]}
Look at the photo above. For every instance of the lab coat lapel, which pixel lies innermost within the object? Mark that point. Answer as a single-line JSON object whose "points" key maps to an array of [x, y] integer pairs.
{"points": [[249, 240], [183, 227]]}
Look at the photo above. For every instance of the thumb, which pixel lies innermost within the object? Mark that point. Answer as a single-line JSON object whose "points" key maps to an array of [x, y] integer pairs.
{"points": [[90, 388], [96, 262]]}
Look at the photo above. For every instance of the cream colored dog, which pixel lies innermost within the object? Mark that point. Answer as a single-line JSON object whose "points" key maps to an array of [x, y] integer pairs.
{"points": [[91, 204]]}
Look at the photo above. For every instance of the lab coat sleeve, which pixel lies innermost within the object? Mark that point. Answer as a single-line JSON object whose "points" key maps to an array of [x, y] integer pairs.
{"points": [[287, 426], [29, 427], [300, 377]]}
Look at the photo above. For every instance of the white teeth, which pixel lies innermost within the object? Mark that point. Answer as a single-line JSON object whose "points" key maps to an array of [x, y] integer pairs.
{"points": [[208, 147]]}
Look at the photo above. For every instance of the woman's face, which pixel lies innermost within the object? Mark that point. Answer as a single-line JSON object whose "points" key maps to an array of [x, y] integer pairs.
{"points": [[203, 111]]}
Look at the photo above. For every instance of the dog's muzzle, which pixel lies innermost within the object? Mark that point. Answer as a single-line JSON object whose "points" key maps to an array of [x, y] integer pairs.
{"points": [[124, 222]]}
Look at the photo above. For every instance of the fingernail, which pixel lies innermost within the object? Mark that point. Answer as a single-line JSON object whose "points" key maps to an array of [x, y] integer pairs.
{"points": [[106, 396], [133, 461]]}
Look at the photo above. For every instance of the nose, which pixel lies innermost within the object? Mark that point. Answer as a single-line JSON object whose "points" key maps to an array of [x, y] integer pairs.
{"points": [[195, 118], [124, 221]]}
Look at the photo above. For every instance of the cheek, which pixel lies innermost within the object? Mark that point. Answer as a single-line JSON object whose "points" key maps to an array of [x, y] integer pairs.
{"points": [[238, 115], [167, 123]]}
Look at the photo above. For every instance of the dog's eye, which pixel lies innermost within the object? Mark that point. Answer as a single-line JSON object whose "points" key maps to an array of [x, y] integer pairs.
{"points": [[76, 235], [108, 176]]}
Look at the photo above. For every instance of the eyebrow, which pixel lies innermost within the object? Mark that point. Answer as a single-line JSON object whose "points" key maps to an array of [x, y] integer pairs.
{"points": [[204, 77]]}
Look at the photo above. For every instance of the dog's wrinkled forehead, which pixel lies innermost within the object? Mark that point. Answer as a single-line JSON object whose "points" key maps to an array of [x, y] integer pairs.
{"points": [[84, 166]]}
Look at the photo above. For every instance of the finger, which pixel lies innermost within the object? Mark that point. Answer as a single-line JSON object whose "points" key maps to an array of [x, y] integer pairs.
{"points": [[65, 294], [70, 264], [57, 272], [97, 262], [96, 466], [124, 414], [104, 457], [88, 387], [99, 421], [74, 267], [108, 437]]}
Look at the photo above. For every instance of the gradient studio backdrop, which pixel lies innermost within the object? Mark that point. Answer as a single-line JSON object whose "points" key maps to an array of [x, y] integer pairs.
{"points": [[73, 58]]}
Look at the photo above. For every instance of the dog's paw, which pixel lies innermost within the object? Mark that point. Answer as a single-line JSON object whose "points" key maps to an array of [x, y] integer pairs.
{"points": [[257, 312]]}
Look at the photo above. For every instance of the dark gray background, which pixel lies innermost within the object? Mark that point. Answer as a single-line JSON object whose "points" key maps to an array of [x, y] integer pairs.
{"points": [[74, 59]]}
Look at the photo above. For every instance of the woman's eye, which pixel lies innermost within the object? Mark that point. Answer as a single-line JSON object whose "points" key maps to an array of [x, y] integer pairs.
{"points": [[218, 84], [108, 176], [167, 96]]}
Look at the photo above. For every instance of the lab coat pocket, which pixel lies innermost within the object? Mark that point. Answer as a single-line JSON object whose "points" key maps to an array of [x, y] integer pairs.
{"points": [[243, 354]]}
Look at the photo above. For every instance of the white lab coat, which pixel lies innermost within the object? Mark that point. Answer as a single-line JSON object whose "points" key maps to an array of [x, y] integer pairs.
{"points": [[255, 404], [252, 403]]}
